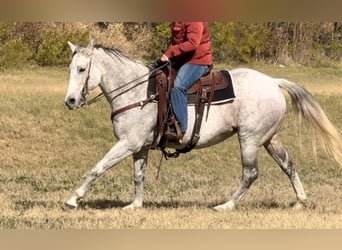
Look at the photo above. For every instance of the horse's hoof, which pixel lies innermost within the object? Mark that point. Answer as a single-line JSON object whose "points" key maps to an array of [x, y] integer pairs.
{"points": [[129, 207], [224, 207], [71, 204], [68, 207], [132, 206], [298, 206]]}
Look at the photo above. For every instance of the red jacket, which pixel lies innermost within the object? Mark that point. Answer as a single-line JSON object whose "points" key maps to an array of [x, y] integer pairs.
{"points": [[190, 43]]}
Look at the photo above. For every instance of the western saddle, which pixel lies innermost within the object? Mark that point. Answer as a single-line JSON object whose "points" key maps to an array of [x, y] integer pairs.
{"points": [[200, 94]]}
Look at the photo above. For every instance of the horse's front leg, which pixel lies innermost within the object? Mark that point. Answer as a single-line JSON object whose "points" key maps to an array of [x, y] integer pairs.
{"points": [[140, 163], [119, 152]]}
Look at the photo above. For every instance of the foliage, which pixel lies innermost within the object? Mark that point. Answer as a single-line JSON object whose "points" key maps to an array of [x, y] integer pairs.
{"points": [[288, 43], [44, 44], [153, 38], [239, 42], [162, 38], [15, 53], [55, 50], [5, 31]]}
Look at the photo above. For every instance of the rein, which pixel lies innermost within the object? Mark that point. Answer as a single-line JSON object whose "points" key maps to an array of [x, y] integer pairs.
{"points": [[123, 109]]}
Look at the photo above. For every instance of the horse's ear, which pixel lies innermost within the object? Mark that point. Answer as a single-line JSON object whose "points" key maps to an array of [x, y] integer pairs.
{"points": [[73, 47], [91, 44]]}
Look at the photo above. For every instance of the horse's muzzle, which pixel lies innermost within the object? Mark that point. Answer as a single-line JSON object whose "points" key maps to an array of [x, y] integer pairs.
{"points": [[71, 103]]}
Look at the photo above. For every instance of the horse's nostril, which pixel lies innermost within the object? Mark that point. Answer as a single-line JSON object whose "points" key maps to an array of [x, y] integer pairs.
{"points": [[71, 102]]}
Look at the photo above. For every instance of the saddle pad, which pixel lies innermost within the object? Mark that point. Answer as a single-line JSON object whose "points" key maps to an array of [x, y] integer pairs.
{"points": [[220, 96]]}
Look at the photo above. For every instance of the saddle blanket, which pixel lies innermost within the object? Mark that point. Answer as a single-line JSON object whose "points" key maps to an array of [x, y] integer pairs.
{"points": [[221, 95], [223, 92]]}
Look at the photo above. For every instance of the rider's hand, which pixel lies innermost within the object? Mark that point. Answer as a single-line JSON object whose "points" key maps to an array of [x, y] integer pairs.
{"points": [[164, 58]]}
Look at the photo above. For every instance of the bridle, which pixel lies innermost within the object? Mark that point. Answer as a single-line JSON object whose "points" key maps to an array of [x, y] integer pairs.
{"points": [[85, 89]]}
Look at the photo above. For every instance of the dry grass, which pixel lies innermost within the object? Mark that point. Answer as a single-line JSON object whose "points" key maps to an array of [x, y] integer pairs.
{"points": [[46, 150]]}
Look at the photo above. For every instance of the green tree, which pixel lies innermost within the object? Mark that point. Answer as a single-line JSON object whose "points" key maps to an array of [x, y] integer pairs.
{"points": [[239, 42], [15, 53], [55, 50]]}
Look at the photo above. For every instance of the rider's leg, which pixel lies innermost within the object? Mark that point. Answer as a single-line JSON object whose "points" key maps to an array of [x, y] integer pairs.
{"points": [[187, 75]]}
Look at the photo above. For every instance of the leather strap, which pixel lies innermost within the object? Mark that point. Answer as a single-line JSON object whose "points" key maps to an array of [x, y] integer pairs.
{"points": [[134, 105], [211, 96], [199, 110]]}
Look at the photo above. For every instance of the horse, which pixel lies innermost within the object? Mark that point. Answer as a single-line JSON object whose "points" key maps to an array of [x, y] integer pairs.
{"points": [[255, 115]]}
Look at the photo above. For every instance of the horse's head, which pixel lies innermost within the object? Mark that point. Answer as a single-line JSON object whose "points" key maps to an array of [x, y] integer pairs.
{"points": [[84, 75]]}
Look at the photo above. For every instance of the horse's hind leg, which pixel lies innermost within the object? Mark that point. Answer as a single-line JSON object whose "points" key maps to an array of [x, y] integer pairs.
{"points": [[249, 157], [281, 156]]}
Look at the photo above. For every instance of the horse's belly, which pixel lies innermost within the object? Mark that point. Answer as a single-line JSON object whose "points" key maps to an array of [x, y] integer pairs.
{"points": [[219, 126]]}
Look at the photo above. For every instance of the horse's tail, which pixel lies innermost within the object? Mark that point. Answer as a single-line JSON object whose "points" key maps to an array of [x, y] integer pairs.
{"points": [[311, 112]]}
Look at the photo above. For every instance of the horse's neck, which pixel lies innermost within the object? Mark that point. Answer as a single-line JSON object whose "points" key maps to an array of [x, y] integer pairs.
{"points": [[126, 84]]}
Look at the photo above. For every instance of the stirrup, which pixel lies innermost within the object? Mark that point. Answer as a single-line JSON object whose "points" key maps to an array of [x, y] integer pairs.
{"points": [[171, 136], [174, 133]]}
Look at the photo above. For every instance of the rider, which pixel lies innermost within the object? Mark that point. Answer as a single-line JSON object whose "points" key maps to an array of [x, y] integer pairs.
{"points": [[190, 53]]}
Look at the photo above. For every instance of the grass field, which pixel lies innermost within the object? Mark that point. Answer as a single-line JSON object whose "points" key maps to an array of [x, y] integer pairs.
{"points": [[46, 150]]}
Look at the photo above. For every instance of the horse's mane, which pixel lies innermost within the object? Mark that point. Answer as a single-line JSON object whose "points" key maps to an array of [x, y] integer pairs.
{"points": [[113, 52]]}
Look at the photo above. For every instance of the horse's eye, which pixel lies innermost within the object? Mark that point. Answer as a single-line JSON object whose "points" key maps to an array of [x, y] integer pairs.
{"points": [[80, 69]]}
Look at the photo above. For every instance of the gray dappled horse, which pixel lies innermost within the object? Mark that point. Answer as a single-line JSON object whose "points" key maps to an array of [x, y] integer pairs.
{"points": [[255, 115]]}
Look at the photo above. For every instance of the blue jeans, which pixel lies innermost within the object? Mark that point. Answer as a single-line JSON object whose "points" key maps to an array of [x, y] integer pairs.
{"points": [[187, 75]]}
